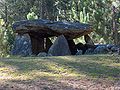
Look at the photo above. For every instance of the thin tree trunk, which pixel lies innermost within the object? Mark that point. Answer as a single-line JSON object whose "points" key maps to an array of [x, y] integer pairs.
{"points": [[115, 32], [6, 15]]}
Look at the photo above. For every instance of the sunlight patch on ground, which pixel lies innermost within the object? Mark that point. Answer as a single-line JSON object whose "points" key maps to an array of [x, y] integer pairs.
{"points": [[59, 67], [5, 72], [115, 65], [74, 71], [54, 70]]}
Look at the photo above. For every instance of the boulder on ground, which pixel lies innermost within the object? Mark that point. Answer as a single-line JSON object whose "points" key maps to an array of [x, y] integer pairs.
{"points": [[85, 47], [101, 49], [89, 51], [60, 47], [79, 52], [109, 46], [81, 46], [42, 54], [114, 49], [118, 51], [22, 45]]}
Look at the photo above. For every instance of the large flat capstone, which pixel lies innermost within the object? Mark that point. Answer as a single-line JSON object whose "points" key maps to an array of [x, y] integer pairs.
{"points": [[47, 28]]}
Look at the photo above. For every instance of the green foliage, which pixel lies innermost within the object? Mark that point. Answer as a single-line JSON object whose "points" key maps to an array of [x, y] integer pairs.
{"points": [[6, 39], [31, 16], [95, 12]]}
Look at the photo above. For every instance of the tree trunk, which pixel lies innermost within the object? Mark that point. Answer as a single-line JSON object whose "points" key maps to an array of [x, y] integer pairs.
{"points": [[6, 15], [115, 32]]}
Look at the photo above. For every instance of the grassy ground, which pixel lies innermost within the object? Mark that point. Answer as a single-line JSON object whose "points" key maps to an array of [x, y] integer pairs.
{"points": [[60, 73]]}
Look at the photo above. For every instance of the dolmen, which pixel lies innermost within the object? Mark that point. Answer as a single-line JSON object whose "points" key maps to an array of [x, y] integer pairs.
{"points": [[33, 37]]}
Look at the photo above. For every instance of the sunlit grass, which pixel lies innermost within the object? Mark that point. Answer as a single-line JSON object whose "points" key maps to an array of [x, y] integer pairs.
{"points": [[29, 68]]}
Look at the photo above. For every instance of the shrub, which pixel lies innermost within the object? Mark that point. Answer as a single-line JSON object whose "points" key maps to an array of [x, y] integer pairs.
{"points": [[6, 39]]}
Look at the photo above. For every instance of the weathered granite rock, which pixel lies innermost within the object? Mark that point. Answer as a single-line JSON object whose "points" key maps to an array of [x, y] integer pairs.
{"points": [[84, 47], [101, 49], [109, 46], [48, 44], [79, 52], [118, 51], [90, 51], [37, 44], [47, 28], [81, 46], [88, 40], [42, 54], [41, 29], [60, 47], [114, 49], [22, 45], [72, 47]]}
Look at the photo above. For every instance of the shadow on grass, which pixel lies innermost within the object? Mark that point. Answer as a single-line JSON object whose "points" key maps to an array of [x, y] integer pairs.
{"points": [[44, 83], [90, 66], [85, 65], [25, 66]]}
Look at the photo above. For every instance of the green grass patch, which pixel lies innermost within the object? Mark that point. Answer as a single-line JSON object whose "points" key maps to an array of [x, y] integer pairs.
{"points": [[29, 68]]}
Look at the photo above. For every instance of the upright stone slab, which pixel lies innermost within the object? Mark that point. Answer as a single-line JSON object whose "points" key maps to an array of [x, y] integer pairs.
{"points": [[37, 43], [72, 47], [118, 51], [48, 44], [88, 40], [82, 47], [22, 45], [60, 47]]}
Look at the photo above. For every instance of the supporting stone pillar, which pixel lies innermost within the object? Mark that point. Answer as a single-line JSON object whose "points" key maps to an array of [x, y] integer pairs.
{"points": [[48, 44], [72, 47], [22, 45], [37, 44], [88, 40], [60, 47]]}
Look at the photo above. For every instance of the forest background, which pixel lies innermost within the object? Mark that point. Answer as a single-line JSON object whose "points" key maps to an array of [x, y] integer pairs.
{"points": [[104, 15]]}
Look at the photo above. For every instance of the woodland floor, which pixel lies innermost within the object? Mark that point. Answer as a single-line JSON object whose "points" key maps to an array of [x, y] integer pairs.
{"points": [[89, 72]]}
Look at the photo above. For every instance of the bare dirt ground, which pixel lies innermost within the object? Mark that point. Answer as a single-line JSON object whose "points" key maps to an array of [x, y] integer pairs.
{"points": [[62, 84]]}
